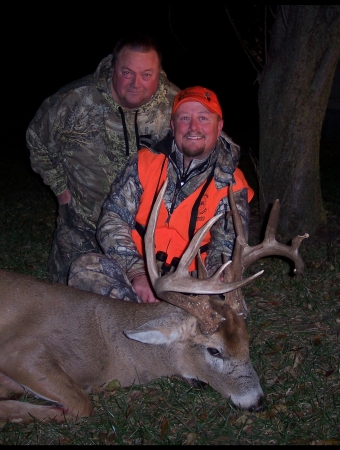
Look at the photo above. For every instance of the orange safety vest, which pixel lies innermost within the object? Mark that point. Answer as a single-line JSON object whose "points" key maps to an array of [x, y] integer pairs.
{"points": [[172, 236]]}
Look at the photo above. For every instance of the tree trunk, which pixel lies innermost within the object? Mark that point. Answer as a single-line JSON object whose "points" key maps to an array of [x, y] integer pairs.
{"points": [[294, 89]]}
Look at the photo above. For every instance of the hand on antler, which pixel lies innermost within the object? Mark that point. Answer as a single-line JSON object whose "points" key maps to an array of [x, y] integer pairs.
{"points": [[143, 289]]}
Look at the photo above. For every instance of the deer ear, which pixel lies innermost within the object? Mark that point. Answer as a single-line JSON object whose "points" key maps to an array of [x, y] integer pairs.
{"points": [[165, 330]]}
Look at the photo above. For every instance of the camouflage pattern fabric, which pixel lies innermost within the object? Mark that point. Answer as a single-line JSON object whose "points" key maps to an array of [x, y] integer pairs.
{"points": [[102, 275], [77, 142], [73, 237]]}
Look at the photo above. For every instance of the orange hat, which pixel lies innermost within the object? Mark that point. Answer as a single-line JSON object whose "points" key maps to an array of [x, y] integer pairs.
{"points": [[198, 94]]}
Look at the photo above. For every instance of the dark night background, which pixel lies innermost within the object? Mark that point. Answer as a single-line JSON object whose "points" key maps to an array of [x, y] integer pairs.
{"points": [[45, 49]]}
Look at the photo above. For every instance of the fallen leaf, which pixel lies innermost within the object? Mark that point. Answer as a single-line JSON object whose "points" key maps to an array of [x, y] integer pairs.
{"points": [[102, 437], [244, 419], [191, 423], [299, 356], [95, 398], [203, 416], [264, 305], [329, 442], [152, 392], [248, 429], [111, 437], [274, 303], [128, 411], [280, 407], [328, 373], [281, 336], [300, 442], [232, 418], [113, 385], [292, 372], [316, 339], [65, 440], [133, 396], [164, 426], [263, 415], [278, 347], [191, 438]]}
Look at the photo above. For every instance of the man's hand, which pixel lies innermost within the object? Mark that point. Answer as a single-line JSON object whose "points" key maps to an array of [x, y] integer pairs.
{"points": [[143, 289], [64, 197]]}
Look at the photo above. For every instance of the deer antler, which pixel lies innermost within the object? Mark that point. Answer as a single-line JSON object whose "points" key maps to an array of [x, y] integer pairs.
{"points": [[171, 287], [269, 246], [244, 255]]}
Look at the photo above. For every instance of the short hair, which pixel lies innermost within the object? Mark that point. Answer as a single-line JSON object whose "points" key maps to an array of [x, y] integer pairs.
{"points": [[137, 42]]}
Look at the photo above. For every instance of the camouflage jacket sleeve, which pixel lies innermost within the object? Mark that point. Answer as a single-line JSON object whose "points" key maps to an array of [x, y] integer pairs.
{"points": [[114, 229], [222, 232], [42, 140]]}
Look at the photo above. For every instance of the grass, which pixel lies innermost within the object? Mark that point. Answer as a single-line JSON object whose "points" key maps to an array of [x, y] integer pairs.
{"points": [[294, 342]]}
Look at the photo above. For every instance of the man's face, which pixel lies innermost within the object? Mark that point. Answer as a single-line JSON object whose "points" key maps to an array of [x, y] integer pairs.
{"points": [[196, 130], [135, 77]]}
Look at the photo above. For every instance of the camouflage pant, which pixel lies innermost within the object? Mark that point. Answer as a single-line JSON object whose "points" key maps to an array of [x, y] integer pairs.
{"points": [[102, 275], [72, 238]]}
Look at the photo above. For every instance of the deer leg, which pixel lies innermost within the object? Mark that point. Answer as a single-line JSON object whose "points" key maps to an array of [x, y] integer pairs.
{"points": [[49, 383], [73, 401], [9, 387], [23, 412]]}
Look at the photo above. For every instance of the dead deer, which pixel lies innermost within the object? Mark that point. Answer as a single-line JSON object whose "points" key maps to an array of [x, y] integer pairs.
{"points": [[60, 343]]}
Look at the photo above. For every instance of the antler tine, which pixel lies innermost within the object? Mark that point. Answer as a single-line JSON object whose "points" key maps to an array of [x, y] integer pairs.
{"points": [[269, 246], [181, 282], [236, 268], [237, 222], [273, 220], [195, 243], [201, 269], [150, 237], [234, 272]]}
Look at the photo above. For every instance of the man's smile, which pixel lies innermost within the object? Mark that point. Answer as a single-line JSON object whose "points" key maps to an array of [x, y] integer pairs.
{"points": [[194, 137]]}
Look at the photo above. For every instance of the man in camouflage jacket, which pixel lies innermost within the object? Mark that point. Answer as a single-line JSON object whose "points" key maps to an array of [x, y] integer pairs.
{"points": [[82, 137], [121, 271]]}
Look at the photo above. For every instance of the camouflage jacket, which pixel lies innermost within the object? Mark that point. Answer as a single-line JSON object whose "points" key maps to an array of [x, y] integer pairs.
{"points": [[115, 225], [77, 139]]}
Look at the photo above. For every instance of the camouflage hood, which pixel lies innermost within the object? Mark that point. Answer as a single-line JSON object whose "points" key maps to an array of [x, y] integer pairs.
{"points": [[80, 138], [101, 78]]}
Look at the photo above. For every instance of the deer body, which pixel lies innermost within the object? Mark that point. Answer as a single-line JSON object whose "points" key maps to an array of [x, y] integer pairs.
{"points": [[62, 343]]}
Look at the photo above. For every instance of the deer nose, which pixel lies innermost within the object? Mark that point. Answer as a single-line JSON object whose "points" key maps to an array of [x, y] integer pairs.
{"points": [[258, 407]]}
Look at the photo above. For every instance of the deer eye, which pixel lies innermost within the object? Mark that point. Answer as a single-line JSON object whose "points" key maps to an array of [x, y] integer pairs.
{"points": [[214, 352]]}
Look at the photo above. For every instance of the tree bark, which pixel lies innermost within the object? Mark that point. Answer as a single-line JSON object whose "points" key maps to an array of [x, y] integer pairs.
{"points": [[294, 89]]}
